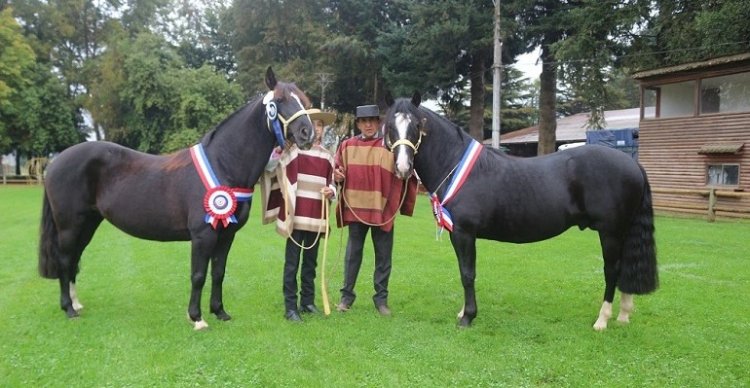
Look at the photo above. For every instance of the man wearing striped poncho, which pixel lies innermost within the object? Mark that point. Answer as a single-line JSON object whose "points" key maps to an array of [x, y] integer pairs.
{"points": [[371, 198]]}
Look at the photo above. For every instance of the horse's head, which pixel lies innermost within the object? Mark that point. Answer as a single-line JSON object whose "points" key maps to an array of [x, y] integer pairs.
{"points": [[404, 128], [286, 112]]}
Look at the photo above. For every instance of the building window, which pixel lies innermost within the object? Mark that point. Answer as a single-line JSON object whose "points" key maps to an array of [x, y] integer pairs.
{"points": [[726, 94], [650, 97], [676, 100], [723, 174]]}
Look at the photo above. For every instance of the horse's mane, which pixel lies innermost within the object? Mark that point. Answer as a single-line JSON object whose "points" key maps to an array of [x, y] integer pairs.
{"points": [[435, 117]]}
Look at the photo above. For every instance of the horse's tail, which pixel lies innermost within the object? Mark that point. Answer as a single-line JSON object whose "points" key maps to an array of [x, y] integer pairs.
{"points": [[49, 247], [638, 271]]}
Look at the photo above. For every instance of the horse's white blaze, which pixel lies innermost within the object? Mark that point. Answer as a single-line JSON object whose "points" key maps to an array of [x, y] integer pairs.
{"points": [[77, 306], [604, 314], [626, 307], [403, 165]]}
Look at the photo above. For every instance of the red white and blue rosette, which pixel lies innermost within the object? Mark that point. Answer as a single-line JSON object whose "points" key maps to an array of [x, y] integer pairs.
{"points": [[220, 202]]}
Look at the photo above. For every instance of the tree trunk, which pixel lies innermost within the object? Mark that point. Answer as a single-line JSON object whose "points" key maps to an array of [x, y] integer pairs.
{"points": [[476, 119], [547, 103]]}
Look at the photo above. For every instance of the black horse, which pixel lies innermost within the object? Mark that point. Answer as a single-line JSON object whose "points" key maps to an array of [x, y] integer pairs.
{"points": [[165, 198], [483, 193]]}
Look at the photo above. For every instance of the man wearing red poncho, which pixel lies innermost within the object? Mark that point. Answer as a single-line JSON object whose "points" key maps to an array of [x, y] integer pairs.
{"points": [[371, 197]]}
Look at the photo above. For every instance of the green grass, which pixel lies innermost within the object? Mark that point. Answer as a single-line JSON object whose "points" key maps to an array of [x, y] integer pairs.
{"points": [[537, 303]]}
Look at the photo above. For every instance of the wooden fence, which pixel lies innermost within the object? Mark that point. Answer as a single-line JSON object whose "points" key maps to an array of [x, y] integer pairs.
{"points": [[712, 207]]}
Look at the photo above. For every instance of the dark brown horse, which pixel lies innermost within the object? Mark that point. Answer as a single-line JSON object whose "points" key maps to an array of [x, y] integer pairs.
{"points": [[165, 198], [479, 192]]}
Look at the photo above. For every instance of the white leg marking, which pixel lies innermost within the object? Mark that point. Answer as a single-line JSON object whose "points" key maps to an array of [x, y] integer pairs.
{"points": [[604, 314], [626, 307], [77, 306], [461, 313], [200, 325]]}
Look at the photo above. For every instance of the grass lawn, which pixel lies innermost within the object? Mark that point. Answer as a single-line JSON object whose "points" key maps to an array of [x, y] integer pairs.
{"points": [[537, 304]]}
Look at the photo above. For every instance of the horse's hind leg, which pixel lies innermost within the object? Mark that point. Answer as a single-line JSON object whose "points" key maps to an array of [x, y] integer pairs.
{"points": [[84, 238], [465, 248], [626, 307], [218, 266], [612, 251], [73, 240]]}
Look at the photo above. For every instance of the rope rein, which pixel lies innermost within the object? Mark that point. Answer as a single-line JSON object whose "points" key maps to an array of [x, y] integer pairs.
{"points": [[401, 203]]}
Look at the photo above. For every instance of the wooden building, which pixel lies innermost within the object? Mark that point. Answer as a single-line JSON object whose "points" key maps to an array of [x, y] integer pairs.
{"points": [[695, 134]]}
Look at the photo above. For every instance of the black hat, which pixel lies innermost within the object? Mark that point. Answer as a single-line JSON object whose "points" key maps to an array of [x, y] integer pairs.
{"points": [[367, 111]]}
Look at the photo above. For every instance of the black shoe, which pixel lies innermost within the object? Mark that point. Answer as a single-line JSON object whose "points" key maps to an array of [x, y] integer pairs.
{"points": [[309, 308], [293, 316]]}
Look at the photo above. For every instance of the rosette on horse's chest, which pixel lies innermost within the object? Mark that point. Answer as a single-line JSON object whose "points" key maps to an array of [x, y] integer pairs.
{"points": [[220, 202]]}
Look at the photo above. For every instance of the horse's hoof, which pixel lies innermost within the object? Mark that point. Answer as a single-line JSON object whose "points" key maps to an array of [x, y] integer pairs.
{"points": [[223, 316], [200, 325], [599, 326], [71, 313], [464, 323]]}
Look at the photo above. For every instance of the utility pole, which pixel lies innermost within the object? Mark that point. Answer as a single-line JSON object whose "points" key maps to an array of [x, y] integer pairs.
{"points": [[497, 77], [324, 79]]}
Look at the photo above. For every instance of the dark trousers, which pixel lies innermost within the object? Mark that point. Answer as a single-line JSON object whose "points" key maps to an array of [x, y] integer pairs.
{"points": [[383, 244], [291, 264]]}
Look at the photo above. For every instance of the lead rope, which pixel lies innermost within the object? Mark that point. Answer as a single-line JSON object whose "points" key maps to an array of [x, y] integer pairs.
{"points": [[324, 216], [323, 284], [401, 203]]}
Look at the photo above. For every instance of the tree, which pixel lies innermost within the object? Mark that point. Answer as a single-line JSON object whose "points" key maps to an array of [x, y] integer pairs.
{"points": [[149, 100], [517, 103], [16, 60], [581, 41], [37, 116], [684, 31], [441, 47], [287, 35]]}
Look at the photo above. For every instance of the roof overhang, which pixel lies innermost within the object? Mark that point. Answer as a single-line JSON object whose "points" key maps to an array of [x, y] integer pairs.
{"points": [[721, 148], [692, 66]]}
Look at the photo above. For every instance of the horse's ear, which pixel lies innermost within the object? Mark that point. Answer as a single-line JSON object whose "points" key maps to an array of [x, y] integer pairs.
{"points": [[270, 78], [416, 99], [388, 98]]}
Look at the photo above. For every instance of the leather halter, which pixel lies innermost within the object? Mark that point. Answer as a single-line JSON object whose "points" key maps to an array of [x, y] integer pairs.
{"points": [[277, 124], [406, 142]]}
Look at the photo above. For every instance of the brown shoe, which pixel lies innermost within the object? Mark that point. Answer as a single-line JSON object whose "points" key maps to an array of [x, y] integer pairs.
{"points": [[343, 307], [383, 310]]}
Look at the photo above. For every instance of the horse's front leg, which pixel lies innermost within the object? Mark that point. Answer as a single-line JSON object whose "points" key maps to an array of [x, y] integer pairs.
{"points": [[200, 252], [464, 245], [218, 267]]}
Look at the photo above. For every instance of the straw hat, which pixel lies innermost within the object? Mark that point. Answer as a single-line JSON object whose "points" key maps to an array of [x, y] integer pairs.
{"points": [[326, 117]]}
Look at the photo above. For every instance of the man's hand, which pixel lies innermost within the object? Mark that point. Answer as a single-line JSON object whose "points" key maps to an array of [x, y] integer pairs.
{"points": [[327, 192], [338, 174]]}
